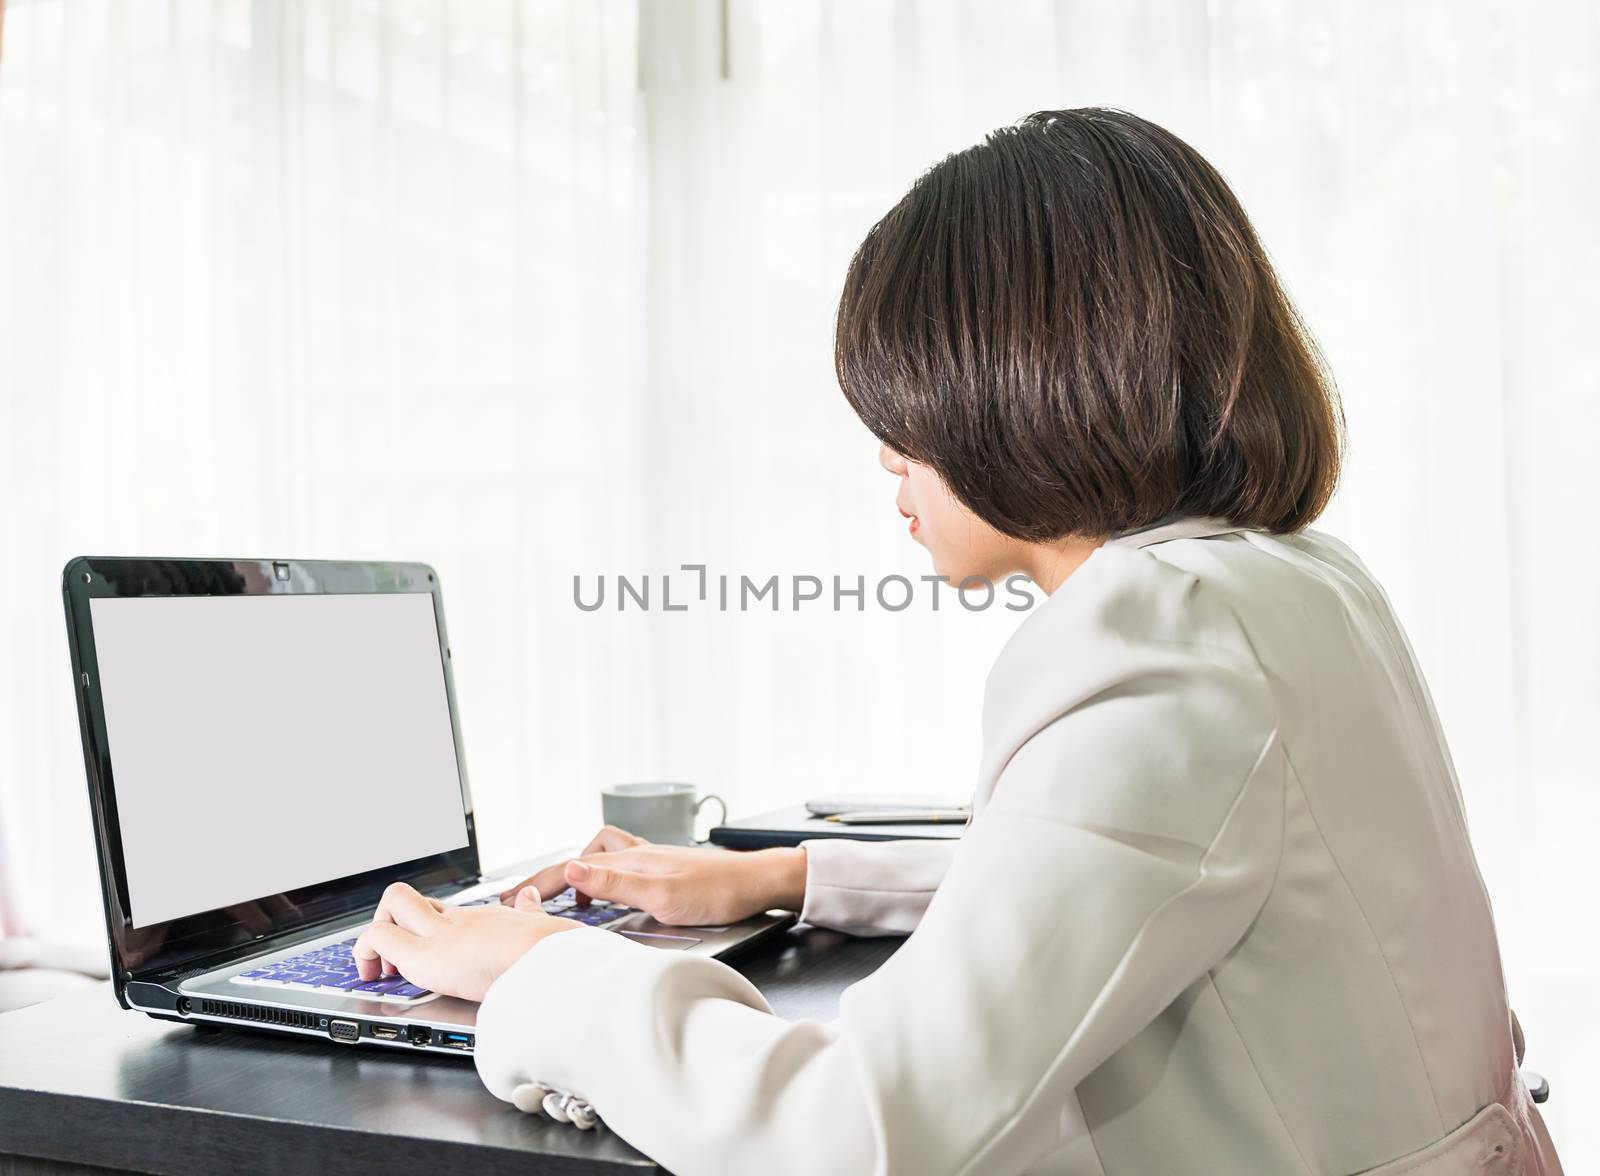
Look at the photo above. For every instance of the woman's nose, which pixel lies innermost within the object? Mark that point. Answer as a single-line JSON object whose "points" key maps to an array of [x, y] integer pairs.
{"points": [[891, 461]]}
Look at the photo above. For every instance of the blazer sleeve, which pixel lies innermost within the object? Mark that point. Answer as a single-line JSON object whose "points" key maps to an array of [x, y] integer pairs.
{"points": [[872, 887], [1126, 848]]}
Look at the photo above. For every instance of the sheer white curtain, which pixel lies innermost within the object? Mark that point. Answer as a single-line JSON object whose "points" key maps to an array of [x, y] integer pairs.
{"points": [[321, 280], [536, 290]]}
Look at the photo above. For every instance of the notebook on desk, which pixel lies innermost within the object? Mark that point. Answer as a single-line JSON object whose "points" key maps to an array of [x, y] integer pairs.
{"points": [[793, 824]]}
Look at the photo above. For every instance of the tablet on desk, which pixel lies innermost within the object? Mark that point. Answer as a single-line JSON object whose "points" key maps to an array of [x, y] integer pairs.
{"points": [[794, 824], [828, 806]]}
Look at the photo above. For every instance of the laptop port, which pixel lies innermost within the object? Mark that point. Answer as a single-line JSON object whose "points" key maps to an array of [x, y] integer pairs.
{"points": [[344, 1030], [386, 1032], [456, 1040], [419, 1035]]}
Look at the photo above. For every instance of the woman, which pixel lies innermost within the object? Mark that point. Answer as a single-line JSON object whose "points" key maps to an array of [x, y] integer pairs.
{"points": [[1239, 924]]}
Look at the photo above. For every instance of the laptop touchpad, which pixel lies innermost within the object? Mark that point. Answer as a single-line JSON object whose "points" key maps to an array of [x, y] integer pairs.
{"points": [[653, 939]]}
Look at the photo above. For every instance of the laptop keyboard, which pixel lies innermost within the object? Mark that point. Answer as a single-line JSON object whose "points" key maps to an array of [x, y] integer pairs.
{"points": [[564, 905], [332, 969]]}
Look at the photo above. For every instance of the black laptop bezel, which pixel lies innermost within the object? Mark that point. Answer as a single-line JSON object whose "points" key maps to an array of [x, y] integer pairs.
{"points": [[207, 939]]}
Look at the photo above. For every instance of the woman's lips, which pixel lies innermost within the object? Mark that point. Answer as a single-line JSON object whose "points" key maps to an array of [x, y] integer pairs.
{"points": [[907, 514]]}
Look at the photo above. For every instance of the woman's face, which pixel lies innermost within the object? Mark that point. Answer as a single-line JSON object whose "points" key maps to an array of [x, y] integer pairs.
{"points": [[962, 545]]}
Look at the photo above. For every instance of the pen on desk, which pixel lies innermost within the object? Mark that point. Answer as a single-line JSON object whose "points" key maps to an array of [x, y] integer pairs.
{"points": [[906, 817]]}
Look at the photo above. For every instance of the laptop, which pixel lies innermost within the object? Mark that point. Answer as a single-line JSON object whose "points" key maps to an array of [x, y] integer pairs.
{"points": [[268, 744]]}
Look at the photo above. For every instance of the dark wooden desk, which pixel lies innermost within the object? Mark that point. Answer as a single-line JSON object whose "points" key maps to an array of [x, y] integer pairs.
{"points": [[86, 1087]]}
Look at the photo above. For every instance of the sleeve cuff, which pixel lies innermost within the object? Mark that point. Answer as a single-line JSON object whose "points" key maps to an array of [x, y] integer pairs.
{"points": [[527, 1033], [872, 887], [531, 996]]}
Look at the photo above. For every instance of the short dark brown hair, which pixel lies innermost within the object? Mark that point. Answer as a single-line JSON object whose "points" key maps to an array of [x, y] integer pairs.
{"points": [[1074, 324]]}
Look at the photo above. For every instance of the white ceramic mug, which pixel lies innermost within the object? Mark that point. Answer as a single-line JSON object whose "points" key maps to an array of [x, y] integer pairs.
{"points": [[663, 813]]}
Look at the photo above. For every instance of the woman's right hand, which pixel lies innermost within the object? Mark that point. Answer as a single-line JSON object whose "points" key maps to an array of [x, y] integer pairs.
{"points": [[677, 884]]}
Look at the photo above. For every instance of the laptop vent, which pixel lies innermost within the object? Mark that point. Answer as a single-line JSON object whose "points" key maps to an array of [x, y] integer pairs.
{"points": [[258, 1013]]}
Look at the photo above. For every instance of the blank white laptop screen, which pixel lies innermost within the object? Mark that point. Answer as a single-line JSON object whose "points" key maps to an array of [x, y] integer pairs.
{"points": [[264, 743]]}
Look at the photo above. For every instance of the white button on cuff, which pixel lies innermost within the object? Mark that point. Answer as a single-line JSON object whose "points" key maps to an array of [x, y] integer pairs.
{"points": [[555, 1105], [528, 1097], [534, 1098]]}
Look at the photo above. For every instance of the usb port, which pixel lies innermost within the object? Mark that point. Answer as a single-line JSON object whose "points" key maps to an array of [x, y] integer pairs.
{"points": [[420, 1034], [456, 1040], [344, 1030], [386, 1032]]}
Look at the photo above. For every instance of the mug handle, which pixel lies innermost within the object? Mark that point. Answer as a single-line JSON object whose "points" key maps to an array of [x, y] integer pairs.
{"points": [[721, 804]]}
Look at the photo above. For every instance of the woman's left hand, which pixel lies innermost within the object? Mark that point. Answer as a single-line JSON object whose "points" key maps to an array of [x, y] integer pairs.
{"points": [[457, 951]]}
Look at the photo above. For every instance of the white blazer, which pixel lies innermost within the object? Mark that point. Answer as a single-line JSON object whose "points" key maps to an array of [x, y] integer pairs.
{"points": [[1217, 911]]}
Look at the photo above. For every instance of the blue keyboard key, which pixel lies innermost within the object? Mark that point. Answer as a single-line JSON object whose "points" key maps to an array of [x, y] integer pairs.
{"points": [[325, 980], [409, 991], [379, 985], [255, 974], [346, 982]]}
